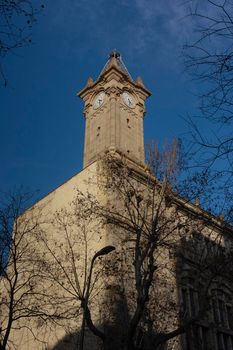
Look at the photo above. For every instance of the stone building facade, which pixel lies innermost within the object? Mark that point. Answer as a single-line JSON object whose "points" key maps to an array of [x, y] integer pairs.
{"points": [[167, 285]]}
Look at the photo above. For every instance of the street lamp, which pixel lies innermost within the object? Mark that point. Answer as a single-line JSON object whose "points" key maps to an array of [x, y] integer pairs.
{"points": [[104, 251]]}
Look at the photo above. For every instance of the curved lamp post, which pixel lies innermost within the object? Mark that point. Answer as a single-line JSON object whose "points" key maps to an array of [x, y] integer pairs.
{"points": [[104, 251]]}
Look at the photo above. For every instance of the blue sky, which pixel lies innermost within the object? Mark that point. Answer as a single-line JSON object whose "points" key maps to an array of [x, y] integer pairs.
{"points": [[41, 121]]}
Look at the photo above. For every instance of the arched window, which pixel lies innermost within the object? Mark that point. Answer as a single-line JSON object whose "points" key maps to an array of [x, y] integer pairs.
{"points": [[222, 314], [197, 336]]}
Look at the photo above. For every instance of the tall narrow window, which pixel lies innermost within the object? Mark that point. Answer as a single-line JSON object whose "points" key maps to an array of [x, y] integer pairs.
{"points": [[222, 311], [224, 341], [193, 308], [230, 316], [189, 301], [196, 336]]}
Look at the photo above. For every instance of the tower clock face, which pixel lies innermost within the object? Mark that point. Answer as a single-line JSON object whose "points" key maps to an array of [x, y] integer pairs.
{"points": [[99, 100], [128, 99]]}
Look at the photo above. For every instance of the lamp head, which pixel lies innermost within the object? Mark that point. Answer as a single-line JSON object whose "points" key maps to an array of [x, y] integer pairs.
{"points": [[104, 251]]}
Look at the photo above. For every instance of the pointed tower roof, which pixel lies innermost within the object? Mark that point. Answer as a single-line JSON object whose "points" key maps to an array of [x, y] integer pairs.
{"points": [[114, 64], [115, 60]]}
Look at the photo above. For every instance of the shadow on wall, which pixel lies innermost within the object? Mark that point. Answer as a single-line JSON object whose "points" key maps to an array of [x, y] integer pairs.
{"points": [[205, 285], [71, 342], [116, 312]]}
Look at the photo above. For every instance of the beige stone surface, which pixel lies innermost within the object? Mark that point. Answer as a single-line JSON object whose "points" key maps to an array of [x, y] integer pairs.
{"points": [[114, 124], [60, 219]]}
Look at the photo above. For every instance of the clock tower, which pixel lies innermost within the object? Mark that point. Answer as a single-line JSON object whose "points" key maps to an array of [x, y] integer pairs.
{"points": [[114, 111]]}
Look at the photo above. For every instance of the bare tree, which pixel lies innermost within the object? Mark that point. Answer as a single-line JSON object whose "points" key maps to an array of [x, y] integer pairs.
{"points": [[209, 58], [22, 297], [45, 271], [148, 222], [69, 255], [139, 296], [17, 18]]}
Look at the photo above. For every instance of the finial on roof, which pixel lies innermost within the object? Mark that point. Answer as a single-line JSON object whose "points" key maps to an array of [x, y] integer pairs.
{"points": [[222, 216], [115, 60], [139, 81], [90, 82], [114, 53]]}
